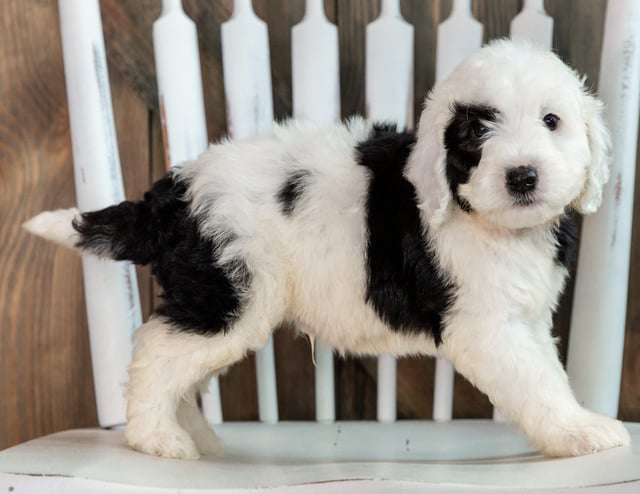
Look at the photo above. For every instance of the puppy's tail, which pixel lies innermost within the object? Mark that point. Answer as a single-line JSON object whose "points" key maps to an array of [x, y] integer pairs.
{"points": [[55, 226], [129, 231], [120, 232]]}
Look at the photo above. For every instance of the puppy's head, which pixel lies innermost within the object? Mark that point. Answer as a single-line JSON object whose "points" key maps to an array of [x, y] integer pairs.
{"points": [[512, 136]]}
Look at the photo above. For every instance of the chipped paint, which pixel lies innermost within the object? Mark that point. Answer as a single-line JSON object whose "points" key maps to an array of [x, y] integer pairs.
{"points": [[312, 342], [165, 134], [617, 194], [108, 125], [227, 107], [618, 188]]}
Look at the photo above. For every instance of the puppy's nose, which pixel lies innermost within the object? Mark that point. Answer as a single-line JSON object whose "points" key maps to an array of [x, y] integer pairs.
{"points": [[522, 179]]}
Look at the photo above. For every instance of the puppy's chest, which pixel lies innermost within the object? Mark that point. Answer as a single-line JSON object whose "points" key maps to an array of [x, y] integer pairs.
{"points": [[513, 273]]}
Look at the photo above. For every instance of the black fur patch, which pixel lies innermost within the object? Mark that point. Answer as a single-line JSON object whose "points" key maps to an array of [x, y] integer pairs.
{"points": [[566, 234], [129, 230], [404, 285], [463, 142], [292, 189], [198, 294]]}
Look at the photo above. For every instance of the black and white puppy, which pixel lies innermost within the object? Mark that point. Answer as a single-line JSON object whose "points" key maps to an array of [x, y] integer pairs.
{"points": [[453, 241]]}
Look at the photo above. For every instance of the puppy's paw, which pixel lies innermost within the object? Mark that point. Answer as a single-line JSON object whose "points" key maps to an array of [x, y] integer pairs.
{"points": [[584, 434], [168, 441], [191, 420], [208, 442]]}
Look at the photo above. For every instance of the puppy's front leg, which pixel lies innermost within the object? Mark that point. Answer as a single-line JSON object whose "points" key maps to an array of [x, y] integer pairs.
{"points": [[517, 366]]}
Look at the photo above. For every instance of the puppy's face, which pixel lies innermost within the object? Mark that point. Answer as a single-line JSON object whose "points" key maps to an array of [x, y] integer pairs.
{"points": [[520, 138]]}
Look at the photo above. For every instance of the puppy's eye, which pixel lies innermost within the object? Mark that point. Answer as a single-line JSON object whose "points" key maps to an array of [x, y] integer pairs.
{"points": [[479, 129], [551, 121]]}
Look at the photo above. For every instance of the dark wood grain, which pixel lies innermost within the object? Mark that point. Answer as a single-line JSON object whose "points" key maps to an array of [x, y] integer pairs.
{"points": [[630, 386], [280, 16], [577, 34], [208, 16], [295, 371], [495, 16], [415, 388], [127, 28], [425, 17], [352, 18], [356, 389], [45, 373]]}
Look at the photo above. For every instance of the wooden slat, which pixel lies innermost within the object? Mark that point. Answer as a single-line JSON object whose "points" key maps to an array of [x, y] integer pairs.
{"points": [[598, 312], [112, 300], [182, 112], [179, 81], [532, 23], [389, 98], [249, 102], [581, 49], [315, 80]]}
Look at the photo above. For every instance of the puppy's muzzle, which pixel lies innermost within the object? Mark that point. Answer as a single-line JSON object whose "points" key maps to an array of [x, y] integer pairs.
{"points": [[521, 182]]}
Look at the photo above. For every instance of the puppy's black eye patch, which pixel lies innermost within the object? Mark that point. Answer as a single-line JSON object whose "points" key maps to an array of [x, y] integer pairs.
{"points": [[469, 127], [551, 121], [464, 136]]}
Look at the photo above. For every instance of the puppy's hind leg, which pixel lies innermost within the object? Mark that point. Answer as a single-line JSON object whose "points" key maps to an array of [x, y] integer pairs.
{"points": [[190, 417], [167, 366], [155, 389]]}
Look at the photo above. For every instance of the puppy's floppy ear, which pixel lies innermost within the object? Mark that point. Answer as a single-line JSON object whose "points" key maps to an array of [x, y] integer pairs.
{"points": [[427, 164], [600, 149]]}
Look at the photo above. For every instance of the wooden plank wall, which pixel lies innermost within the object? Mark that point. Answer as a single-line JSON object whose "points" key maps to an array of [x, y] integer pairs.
{"points": [[45, 372]]}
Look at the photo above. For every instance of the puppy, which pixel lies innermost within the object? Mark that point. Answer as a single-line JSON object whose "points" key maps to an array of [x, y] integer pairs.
{"points": [[453, 241]]}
